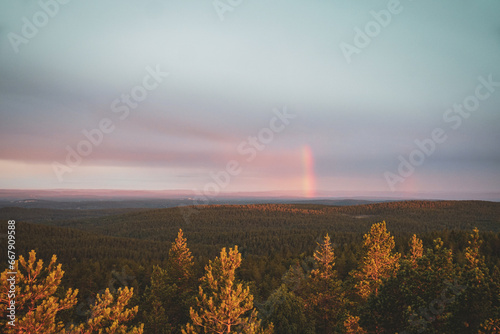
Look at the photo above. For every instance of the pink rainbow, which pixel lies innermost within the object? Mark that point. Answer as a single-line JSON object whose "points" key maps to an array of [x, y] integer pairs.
{"points": [[309, 179]]}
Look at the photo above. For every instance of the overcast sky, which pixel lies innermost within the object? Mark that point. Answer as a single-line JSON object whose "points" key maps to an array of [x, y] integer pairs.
{"points": [[356, 103]]}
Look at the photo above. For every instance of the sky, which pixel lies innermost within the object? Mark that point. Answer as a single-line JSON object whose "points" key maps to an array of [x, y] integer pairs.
{"points": [[312, 98]]}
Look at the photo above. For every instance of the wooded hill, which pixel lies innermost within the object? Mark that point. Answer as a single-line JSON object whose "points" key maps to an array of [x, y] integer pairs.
{"points": [[94, 246]]}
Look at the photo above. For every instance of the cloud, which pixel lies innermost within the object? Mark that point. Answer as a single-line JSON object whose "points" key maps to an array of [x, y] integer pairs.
{"points": [[225, 79]]}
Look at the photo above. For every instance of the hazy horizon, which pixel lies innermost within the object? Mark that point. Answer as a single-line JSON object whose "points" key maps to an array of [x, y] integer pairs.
{"points": [[191, 198]]}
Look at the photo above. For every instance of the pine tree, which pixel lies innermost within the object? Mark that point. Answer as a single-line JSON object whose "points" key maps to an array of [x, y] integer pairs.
{"points": [[324, 298], [418, 298], [295, 277], [155, 301], [167, 300], [178, 295], [223, 305], [416, 250], [475, 264], [36, 305], [180, 262], [286, 311], [324, 258], [109, 315], [480, 299], [379, 261]]}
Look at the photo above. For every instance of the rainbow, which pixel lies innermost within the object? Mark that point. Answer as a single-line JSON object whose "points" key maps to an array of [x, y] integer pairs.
{"points": [[309, 178]]}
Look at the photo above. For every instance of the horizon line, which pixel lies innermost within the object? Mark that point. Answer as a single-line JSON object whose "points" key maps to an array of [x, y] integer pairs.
{"points": [[268, 194]]}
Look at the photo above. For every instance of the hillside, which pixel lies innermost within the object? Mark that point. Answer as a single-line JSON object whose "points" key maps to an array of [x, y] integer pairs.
{"points": [[50, 216], [286, 225], [267, 231], [102, 249]]}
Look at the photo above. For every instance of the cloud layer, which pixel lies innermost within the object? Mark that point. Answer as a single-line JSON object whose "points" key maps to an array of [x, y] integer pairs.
{"points": [[225, 79]]}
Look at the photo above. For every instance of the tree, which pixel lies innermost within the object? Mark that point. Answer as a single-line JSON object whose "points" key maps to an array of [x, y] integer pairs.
{"points": [[295, 277], [418, 298], [223, 305], [108, 315], [324, 258], [379, 261], [480, 299], [155, 319], [156, 300], [351, 325], [285, 310], [167, 300], [324, 298], [180, 262], [416, 250], [36, 303]]}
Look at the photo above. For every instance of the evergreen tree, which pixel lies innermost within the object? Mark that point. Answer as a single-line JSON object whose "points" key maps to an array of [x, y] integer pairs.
{"points": [[481, 298], [109, 315], [379, 262], [286, 312], [167, 300], [36, 303], [323, 295], [223, 305], [180, 262], [295, 277], [155, 318], [418, 298], [416, 250], [156, 300], [324, 258]]}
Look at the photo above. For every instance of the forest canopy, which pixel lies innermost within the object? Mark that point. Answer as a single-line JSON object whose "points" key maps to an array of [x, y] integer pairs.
{"points": [[290, 269]]}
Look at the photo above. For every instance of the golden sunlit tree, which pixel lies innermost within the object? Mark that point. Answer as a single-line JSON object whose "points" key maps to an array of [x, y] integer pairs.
{"points": [[416, 250], [108, 315], [37, 304], [180, 261], [379, 261], [223, 305], [324, 258]]}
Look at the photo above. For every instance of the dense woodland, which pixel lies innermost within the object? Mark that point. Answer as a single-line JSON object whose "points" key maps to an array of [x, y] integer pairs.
{"points": [[280, 268]]}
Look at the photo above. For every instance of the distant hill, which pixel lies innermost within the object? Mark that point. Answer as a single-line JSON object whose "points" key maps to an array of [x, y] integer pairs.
{"points": [[48, 215], [92, 204], [161, 203], [284, 225], [339, 202]]}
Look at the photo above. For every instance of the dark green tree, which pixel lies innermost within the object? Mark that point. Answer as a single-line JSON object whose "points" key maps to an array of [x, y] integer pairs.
{"points": [[286, 312], [480, 300], [323, 293], [167, 300], [418, 298]]}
